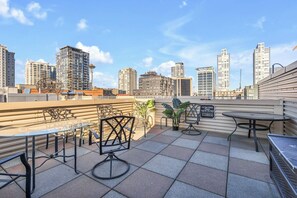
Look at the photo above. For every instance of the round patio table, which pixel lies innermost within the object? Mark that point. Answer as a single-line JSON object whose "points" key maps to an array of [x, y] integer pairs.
{"points": [[253, 117]]}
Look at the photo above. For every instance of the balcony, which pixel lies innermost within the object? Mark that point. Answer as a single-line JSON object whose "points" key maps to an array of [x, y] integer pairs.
{"points": [[166, 163]]}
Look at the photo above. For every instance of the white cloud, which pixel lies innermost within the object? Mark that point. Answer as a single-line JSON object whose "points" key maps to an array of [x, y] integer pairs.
{"points": [[17, 14], [147, 62], [170, 29], [36, 10], [96, 55], [164, 68], [260, 23], [82, 24], [59, 22], [105, 80], [183, 4], [41, 60], [283, 53]]}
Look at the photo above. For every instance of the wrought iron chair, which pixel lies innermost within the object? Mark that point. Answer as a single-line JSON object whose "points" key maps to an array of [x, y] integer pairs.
{"points": [[114, 136], [192, 116], [14, 177], [58, 114]]}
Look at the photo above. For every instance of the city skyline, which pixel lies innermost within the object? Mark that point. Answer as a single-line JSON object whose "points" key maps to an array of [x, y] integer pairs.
{"points": [[124, 34]]}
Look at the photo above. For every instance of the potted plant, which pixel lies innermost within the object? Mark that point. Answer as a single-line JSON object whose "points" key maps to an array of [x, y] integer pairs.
{"points": [[175, 112], [142, 110]]}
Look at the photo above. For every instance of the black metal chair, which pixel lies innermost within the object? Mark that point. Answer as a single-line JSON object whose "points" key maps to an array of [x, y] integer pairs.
{"points": [[114, 136], [14, 177], [192, 116]]}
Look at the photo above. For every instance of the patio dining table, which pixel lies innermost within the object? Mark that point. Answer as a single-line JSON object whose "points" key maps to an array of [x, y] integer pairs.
{"points": [[253, 117], [40, 129]]}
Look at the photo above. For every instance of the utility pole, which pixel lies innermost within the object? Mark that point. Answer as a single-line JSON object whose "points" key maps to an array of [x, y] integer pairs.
{"points": [[240, 80]]}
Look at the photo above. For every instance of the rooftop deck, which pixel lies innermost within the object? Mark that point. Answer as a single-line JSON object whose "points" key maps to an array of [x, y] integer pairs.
{"points": [[165, 164]]}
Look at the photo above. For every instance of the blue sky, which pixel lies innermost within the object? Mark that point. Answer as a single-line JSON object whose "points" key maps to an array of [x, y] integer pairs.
{"points": [[150, 34]]}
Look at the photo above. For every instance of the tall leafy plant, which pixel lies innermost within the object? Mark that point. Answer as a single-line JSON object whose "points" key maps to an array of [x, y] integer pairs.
{"points": [[176, 111]]}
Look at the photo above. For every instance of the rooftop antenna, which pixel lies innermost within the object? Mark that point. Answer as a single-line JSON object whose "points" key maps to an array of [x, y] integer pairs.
{"points": [[240, 80]]}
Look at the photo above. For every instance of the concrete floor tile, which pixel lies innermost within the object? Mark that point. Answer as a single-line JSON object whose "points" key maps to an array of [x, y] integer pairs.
{"points": [[12, 190], [144, 184], [248, 155], [250, 169], [152, 146], [164, 165], [172, 133], [166, 139], [203, 177], [191, 144], [239, 186], [137, 157], [214, 148], [178, 152], [180, 189], [216, 140], [210, 160], [82, 186], [113, 194]]}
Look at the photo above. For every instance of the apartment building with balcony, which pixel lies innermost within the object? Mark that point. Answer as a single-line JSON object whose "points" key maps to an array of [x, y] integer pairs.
{"points": [[73, 68], [261, 62], [7, 67], [36, 70], [178, 70], [127, 80], [206, 81], [152, 84], [223, 62]]}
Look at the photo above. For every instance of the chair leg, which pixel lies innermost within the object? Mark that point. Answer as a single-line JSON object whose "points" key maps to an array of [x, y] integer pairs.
{"points": [[47, 140], [110, 158], [191, 130]]}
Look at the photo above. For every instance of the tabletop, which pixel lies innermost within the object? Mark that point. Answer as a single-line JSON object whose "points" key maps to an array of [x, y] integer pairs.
{"points": [[256, 116], [43, 128]]}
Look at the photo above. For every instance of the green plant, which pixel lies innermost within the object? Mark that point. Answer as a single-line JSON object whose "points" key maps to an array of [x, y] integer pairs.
{"points": [[175, 112], [142, 110]]}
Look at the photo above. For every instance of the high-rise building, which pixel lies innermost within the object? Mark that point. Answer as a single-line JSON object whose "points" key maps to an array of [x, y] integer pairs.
{"points": [[152, 84], [223, 61], [261, 60], [36, 71], [128, 80], [7, 67], [182, 86], [73, 68], [206, 81], [177, 71]]}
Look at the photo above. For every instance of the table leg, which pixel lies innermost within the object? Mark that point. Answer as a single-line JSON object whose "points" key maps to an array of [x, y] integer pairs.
{"points": [[26, 149], [269, 127], [33, 164], [255, 136], [250, 126], [229, 136], [56, 144], [64, 153], [75, 152]]}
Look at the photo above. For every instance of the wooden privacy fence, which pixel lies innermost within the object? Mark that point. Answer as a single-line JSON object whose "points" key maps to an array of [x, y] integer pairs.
{"points": [[222, 124], [22, 114], [290, 109]]}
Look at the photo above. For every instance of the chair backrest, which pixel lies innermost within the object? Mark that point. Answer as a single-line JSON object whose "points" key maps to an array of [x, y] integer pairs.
{"points": [[106, 111], [192, 113], [115, 133], [57, 114]]}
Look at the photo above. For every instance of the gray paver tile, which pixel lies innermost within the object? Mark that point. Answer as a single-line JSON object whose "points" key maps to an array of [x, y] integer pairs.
{"points": [[137, 157], [172, 133], [164, 165], [143, 184], [52, 178], [166, 139], [214, 148], [113, 194], [12, 190], [191, 144], [112, 182], [203, 177], [195, 137], [250, 169], [248, 155], [82, 186], [180, 189], [210, 160], [216, 140], [178, 152], [239, 186], [152, 146]]}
